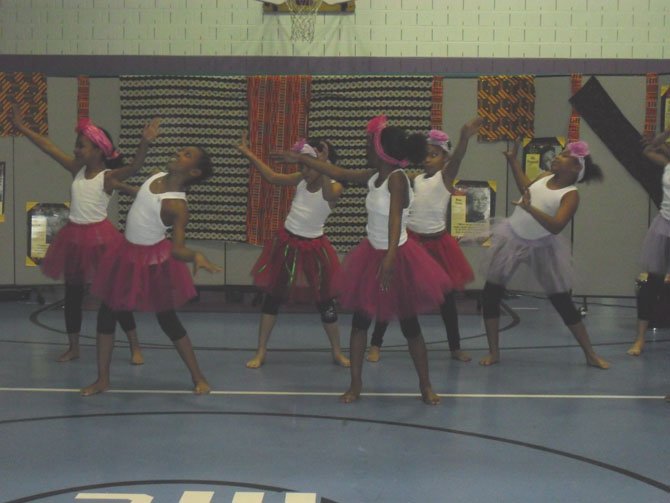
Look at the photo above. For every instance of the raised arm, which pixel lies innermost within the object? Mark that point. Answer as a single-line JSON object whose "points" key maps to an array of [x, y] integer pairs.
{"points": [[149, 135], [450, 169], [555, 224], [44, 143], [326, 168], [657, 151], [522, 181], [268, 174]]}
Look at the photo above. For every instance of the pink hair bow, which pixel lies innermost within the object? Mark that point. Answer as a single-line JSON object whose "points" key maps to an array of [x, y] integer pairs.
{"points": [[578, 149], [438, 136], [98, 137], [302, 147], [375, 128], [377, 124]]}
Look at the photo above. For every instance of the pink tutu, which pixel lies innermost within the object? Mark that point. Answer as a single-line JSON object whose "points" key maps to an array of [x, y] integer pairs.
{"points": [[655, 257], [418, 285], [290, 264], [77, 249], [549, 259], [143, 278], [446, 252]]}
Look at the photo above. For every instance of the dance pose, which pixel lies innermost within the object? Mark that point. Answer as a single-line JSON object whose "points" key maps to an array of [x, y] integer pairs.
{"points": [[98, 169], [427, 224], [656, 245], [300, 255], [386, 276], [531, 235], [147, 272]]}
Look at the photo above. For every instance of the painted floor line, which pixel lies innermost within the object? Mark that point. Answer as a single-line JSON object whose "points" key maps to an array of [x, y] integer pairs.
{"points": [[322, 393]]}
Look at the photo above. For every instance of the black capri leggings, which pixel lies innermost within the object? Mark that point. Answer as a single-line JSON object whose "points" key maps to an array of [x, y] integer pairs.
{"points": [[74, 299], [168, 321], [409, 326]]}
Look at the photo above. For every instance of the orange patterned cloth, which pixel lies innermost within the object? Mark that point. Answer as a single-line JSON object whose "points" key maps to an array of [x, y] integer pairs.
{"points": [[651, 100], [573, 126], [82, 97], [507, 104], [436, 104], [277, 118], [29, 90]]}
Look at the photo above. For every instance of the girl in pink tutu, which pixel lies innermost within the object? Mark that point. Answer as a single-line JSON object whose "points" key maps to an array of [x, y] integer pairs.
{"points": [[386, 276], [300, 255], [655, 256], [531, 236], [147, 272], [428, 226], [74, 255]]}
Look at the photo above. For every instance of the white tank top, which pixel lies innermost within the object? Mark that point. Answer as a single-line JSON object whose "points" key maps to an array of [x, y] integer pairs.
{"points": [[378, 205], [428, 213], [144, 225], [544, 199], [665, 204], [308, 212], [89, 200]]}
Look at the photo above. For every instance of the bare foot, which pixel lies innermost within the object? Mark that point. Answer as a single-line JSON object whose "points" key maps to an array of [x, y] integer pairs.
{"points": [[257, 361], [201, 387], [374, 354], [95, 388], [342, 360], [636, 348], [490, 359], [429, 397], [597, 362], [460, 356], [352, 394], [136, 357], [69, 355]]}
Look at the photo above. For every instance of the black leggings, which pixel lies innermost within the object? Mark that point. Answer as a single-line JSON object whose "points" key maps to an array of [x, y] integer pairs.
{"points": [[562, 302], [409, 326], [74, 299], [449, 316], [648, 296], [326, 309], [168, 321]]}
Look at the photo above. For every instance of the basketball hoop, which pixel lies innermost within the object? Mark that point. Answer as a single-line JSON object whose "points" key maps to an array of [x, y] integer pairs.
{"points": [[303, 19]]}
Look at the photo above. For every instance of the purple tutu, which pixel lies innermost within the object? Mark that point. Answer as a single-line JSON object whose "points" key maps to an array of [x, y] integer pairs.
{"points": [[77, 249], [655, 257], [418, 284], [549, 259], [446, 252], [143, 278]]}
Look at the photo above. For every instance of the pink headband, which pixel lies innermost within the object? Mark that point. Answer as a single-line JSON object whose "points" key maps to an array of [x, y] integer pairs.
{"points": [[98, 137], [579, 150], [439, 139], [375, 127], [302, 147]]}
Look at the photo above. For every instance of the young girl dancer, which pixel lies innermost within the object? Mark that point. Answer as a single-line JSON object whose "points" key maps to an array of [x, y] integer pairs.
{"points": [[97, 168], [655, 254], [145, 271], [386, 276], [530, 235], [428, 226], [300, 254]]}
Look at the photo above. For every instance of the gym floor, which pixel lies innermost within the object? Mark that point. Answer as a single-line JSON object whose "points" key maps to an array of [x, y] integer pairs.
{"points": [[540, 426]]}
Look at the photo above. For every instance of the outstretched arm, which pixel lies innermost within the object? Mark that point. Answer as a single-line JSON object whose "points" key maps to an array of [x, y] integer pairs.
{"points": [[450, 169], [149, 135], [326, 168], [268, 174], [555, 224], [331, 190], [131, 190], [522, 181], [44, 143], [657, 151]]}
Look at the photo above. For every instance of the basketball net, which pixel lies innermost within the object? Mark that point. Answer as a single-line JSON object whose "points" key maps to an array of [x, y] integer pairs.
{"points": [[303, 19]]}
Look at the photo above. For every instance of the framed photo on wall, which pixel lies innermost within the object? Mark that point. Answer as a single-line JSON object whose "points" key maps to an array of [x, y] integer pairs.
{"points": [[538, 153], [471, 209], [44, 222]]}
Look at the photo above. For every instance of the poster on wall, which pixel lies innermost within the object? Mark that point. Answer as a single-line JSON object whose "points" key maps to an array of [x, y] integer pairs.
{"points": [[2, 191], [538, 153], [44, 222], [472, 206], [665, 108]]}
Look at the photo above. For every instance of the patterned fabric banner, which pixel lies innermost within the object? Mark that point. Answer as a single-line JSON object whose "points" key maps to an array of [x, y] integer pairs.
{"points": [[277, 119], [29, 90], [651, 101], [436, 110], [339, 111], [83, 94], [507, 105], [207, 111], [573, 126]]}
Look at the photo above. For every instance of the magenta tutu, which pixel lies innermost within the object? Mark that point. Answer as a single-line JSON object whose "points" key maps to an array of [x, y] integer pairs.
{"points": [[143, 278], [418, 283], [289, 264], [655, 257], [77, 249], [446, 252]]}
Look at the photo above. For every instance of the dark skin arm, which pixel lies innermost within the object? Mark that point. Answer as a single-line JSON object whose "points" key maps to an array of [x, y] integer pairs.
{"points": [[131, 190], [522, 181], [268, 174], [360, 176], [657, 151], [450, 169], [398, 187], [149, 135], [555, 224]]}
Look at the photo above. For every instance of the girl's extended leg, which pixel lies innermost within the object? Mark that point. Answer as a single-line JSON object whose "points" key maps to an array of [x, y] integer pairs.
{"points": [[647, 297], [269, 312], [104, 347], [374, 353], [127, 322], [329, 320], [357, 343], [417, 349], [74, 297], [491, 297], [449, 315]]}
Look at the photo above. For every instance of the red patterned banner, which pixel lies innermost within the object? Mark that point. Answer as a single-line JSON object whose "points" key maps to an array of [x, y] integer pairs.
{"points": [[277, 118], [29, 90], [573, 126], [651, 110], [82, 97], [507, 104], [436, 104]]}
